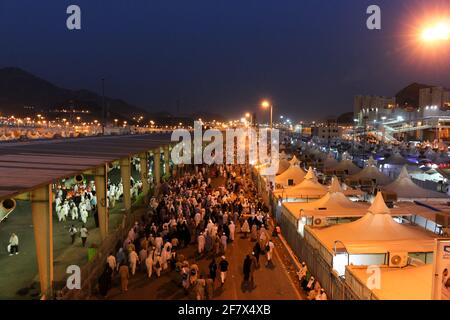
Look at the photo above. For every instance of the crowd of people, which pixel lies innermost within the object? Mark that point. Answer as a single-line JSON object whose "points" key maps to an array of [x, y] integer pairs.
{"points": [[192, 210], [310, 284]]}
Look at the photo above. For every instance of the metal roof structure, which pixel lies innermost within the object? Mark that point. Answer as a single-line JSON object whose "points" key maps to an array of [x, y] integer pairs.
{"points": [[27, 165]]}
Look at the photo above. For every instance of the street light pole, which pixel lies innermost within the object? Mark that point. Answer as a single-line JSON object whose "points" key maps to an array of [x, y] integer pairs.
{"points": [[103, 106], [271, 114]]}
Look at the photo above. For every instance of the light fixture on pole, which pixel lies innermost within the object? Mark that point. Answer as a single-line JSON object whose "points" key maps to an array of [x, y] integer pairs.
{"points": [[266, 104]]}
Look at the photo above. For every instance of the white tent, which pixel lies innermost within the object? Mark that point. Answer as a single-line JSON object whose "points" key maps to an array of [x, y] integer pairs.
{"points": [[308, 188], [405, 188], [410, 283], [336, 187], [375, 233], [348, 166], [291, 177], [330, 162], [333, 204], [283, 165], [371, 172], [294, 161], [396, 159]]}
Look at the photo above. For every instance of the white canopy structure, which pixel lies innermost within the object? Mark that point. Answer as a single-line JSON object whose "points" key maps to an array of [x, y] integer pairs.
{"points": [[309, 188], [405, 188], [291, 177], [332, 204], [294, 161], [371, 172], [348, 166], [375, 233], [330, 162], [410, 283], [396, 159], [336, 187], [283, 165]]}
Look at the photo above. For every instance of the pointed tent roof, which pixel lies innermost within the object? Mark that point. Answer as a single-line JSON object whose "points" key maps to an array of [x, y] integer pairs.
{"points": [[396, 159], [347, 165], [294, 172], [283, 165], [375, 232], [404, 187], [294, 161], [332, 204], [308, 188], [330, 162], [371, 172], [336, 187]]}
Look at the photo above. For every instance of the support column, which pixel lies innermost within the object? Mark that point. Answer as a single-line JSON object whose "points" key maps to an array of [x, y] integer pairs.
{"points": [[125, 172], [41, 209], [166, 160], [157, 166], [144, 172], [101, 189]]}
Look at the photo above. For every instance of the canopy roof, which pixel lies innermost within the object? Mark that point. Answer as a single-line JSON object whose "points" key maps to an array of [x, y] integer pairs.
{"points": [[294, 172], [371, 172], [333, 204], [404, 187], [308, 188], [410, 283], [396, 159], [283, 165], [336, 187], [347, 165], [294, 161], [330, 162], [375, 232]]}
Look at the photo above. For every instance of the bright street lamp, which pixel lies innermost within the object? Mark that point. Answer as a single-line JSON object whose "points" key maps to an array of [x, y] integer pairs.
{"points": [[438, 32], [266, 104]]}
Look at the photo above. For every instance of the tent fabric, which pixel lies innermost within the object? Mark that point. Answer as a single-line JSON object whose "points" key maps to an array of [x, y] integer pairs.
{"points": [[283, 165], [371, 172], [294, 173], [410, 283], [308, 188], [330, 162], [336, 187], [294, 161], [333, 204], [396, 159], [376, 232], [347, 165], [405, 188]]}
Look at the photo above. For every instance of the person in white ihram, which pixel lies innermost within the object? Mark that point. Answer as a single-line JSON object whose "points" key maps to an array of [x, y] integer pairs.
{"points": [[13, 244]]}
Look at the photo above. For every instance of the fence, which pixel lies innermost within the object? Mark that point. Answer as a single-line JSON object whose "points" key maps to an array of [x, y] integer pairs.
{"points": [[91, 271], [335, 286]]}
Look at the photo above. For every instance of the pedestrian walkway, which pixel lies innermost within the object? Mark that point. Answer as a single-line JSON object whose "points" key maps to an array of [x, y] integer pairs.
{"points": [[271, 283]]}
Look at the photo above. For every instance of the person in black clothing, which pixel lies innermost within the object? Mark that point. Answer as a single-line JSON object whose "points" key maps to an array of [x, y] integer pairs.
{"points": [[257, 251], [213, 269], [104, 282], [246, 270], [223, 266]]}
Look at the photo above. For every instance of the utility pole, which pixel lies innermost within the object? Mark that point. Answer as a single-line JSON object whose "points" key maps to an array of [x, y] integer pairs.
{"points": [[103, 107]]}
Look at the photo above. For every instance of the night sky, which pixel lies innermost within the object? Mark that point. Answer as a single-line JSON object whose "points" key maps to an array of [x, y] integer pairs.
{"points": [[309, 56]]}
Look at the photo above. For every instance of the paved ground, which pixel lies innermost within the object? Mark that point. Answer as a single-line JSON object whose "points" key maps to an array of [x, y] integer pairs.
{"points": [[19, 273], [271, 283]]}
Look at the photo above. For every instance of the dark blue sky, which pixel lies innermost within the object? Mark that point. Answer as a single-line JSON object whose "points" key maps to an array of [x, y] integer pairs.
{"points": [[310, 56]]}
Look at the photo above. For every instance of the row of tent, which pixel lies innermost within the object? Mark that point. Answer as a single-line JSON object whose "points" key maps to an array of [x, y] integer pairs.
{"points": [[367, 234]]}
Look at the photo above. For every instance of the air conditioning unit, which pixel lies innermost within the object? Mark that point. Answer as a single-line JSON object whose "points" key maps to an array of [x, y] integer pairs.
{"points": [[320, 222], [398, 259]]}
